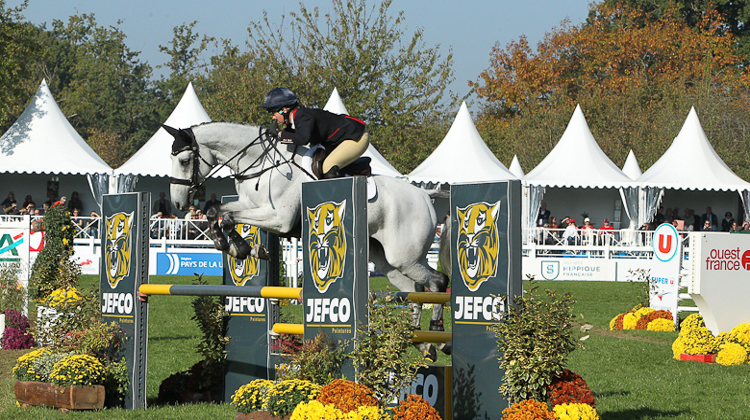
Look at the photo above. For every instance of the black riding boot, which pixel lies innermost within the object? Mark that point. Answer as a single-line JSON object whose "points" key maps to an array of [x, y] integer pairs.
{"points": [[334, 172]]}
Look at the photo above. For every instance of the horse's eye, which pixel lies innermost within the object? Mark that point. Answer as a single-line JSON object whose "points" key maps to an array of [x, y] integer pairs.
{"points": [[184, 162]]}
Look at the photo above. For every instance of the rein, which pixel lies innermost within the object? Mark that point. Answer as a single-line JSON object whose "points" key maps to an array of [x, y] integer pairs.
{"points": [[193, 182]]}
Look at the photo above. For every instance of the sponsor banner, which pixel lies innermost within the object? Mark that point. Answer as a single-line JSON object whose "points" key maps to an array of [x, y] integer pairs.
{"points": [[570, 269], [89, 262], [665, 270], [189, 263], [335, 249], [720, 285], [486, 267], [250, 317], [124, 267]]}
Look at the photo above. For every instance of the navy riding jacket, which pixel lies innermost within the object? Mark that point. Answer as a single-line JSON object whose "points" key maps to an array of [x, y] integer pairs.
{"points": [[316, 126]]}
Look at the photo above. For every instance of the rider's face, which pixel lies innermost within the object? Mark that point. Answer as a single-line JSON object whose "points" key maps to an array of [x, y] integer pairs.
{"points": [[278, 117]]}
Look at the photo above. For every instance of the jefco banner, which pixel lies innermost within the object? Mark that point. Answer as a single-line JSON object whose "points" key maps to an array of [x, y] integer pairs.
{"points": [[335, 249], [250, 318], [124, 268], [486, 267]]}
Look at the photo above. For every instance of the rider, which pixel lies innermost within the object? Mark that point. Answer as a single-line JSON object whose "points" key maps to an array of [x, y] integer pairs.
{"points": [[345, 138]]}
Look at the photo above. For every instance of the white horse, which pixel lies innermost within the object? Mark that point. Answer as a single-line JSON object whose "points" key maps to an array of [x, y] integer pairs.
{"points": [[401, 219]]}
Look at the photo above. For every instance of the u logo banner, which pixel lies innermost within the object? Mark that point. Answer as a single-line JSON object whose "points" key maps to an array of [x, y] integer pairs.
{"points": [[477, 246], [119, 246], [243, 270], [327, 243]]}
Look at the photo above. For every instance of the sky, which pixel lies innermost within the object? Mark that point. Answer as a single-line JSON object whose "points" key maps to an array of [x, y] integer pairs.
{"points": [[469, 28]]}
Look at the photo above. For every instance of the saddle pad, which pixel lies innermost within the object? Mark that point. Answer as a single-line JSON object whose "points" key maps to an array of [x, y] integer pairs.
{"points": [[306, 163]]}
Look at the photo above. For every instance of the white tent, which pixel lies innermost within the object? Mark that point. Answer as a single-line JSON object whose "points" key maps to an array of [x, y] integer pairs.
{"points": [[691, 163], [151, 165], [462, 156], [379, 165], [631, 167], [515, 168], [575, 164], [43, 145]]}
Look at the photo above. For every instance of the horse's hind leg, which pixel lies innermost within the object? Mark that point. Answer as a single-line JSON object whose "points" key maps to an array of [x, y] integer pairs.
{"points": [[403, 284]]}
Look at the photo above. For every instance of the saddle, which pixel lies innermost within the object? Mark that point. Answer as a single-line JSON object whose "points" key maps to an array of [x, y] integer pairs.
{"points": [[360, 167]]}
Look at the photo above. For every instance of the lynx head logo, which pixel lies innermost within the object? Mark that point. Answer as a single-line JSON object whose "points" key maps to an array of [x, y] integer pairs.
{"points": [[477, 244], [327, 243], [119, 247], [243, 270]]}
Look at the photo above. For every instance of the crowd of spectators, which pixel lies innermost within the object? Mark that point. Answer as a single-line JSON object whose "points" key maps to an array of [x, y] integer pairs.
{"points": [[567, 232], [165, 224], [84, 226]]}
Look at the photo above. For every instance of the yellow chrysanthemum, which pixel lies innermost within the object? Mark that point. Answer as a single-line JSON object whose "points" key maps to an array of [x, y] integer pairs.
{"points": [[575, 411], [732, 354], [661, 324], [644, 311], [629, 321]]}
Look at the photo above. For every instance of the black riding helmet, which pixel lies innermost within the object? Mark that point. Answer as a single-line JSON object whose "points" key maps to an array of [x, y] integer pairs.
{"points": [[279, 98]]}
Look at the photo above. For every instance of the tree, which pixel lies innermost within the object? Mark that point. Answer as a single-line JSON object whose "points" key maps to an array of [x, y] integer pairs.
{"points": [[100, 84], [635, 75], [17, 46], [184, 62], [397, 87]]}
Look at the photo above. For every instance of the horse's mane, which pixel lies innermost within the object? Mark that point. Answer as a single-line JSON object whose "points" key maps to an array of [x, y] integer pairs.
{"points": [[228, 122]]}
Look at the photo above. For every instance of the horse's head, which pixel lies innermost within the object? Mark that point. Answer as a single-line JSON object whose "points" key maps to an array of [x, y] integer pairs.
{"points": [[189, 168]]}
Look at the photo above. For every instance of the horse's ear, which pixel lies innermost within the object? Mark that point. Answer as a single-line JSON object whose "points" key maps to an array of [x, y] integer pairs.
{"points": [[172, 131]]}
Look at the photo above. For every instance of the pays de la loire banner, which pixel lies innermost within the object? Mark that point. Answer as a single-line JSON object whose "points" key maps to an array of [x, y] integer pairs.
{"points": [[665, 269]]}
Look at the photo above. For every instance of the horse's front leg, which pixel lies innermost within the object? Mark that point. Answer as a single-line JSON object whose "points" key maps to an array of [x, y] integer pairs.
{"points": [[259, 217], [214, 231]]}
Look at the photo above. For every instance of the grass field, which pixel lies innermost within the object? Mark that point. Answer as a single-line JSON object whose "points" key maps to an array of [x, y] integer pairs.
{"points": [[632, 373]]}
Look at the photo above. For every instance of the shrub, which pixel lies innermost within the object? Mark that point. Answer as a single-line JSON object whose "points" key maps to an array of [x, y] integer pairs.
{"points": [[315, 410], [64, 297], [12, 293], [732, 354], [172, 388], [698, 341], [528, 409], [80, 369], [629, 321], [210, 315], [15, 319], [742, 334], [284, 396], [252, 397], [16, 335], [617, 322], [380, 356], [318, 361], [52, 268], [575, 412], [44, 365], [347, 396], [691, 322], [24, 370], [287, 344], [534, 341], [415, 407], [59, 327], [569, 388]]}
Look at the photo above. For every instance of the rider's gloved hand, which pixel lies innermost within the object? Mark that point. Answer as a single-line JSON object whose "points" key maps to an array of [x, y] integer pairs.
{"points": [[273, 129]]}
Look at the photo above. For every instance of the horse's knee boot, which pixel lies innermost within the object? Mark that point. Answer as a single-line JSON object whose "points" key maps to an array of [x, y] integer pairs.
{"points": [[242, 247], [437, 325], [259, 252], [217, 235]]}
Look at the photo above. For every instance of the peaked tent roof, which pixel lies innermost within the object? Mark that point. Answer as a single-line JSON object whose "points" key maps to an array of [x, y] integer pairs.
{"points": [[577, 161], [631, 167], [43, 141], [515, 167], [691, 149], [153, 158], [379, 165], [462, 156]]}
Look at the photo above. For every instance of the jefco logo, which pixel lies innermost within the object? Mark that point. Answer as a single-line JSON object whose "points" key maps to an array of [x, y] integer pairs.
{"points": [[477, 244], [728, 259], [244, 270], [665, 242], [8, 245], [119, 247], [327, 243]]}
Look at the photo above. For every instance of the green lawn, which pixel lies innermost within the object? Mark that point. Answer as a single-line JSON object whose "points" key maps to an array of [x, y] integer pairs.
{"points": [[631, 373]]}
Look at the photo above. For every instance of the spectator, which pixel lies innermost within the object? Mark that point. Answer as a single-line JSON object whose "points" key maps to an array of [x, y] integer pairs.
{"points": [[659, 216], [157, 225], [707, 226], [28, 201], [62, 202], [92, 228], [734, 228], [708, 215], [12, 210], [745, 227], [162, 205], [210, 203], [75, 202], [201, 222], [726, 223], [676, 214], [606, 233], [570, 236], [77, 222], [668, 216], [7, 204], [587, 231], [565, 222], [173, 226], [553, 223], [543, 216]]}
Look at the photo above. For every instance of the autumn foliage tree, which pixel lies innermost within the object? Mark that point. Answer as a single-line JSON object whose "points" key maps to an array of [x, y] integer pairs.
{"points": [[635, 75]]}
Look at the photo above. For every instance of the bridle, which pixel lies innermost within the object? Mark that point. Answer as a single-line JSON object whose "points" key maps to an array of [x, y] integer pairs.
{"points": [[194, 183]]}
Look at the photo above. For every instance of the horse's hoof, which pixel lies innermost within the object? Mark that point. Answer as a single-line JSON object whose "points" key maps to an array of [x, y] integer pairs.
{"points": [[430, 353], [221, 244], [446, 348], [259, 252]]}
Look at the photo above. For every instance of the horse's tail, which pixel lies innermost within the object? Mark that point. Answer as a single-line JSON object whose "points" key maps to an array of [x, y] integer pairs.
{"points": [[438, 193], [444, 252]]}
